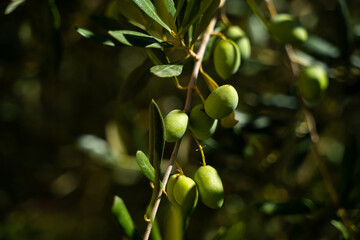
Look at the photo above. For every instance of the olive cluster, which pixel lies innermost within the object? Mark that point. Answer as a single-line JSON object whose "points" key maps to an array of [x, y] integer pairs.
{"points": [[203, 117], [183, 191]]}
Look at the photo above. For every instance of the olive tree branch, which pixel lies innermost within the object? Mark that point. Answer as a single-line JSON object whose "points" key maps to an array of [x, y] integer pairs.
{"points": [[314, 136], [191, 86], [311, 124]]}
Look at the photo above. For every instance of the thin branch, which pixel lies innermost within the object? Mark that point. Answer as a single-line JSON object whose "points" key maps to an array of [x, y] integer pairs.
{"points": [[191, 85], [164, 182]]}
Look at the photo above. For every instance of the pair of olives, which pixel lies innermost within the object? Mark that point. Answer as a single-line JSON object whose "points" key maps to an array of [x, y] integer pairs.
{"points": [[183, 191], [204, 117], [229, 52], [285, 29]]}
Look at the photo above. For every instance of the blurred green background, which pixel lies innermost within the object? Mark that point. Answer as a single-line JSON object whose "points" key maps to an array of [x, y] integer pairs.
{"points": [[69, 129]]}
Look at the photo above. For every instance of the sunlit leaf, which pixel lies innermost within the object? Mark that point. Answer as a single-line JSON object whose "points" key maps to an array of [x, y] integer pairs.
{"points": [[124, 219], [103, 39], [340, 226], [147, 7], [13, 5], [137, 39], [168, 70], [145, 166]]}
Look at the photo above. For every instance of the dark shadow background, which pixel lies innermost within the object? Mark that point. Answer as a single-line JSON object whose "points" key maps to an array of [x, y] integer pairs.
{"points": [[68, 137]]}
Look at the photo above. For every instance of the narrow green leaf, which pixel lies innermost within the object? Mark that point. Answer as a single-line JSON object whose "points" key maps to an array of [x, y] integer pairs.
{"points": [[124, 219], [340, 226], [55, 13], [12, 6], [156, 138], [103, 39], [287, 208], [201, 11], [145, 166], [156, 148], [166, 11], [168, 70], [206, 18], [147, 7], [138, 39]]}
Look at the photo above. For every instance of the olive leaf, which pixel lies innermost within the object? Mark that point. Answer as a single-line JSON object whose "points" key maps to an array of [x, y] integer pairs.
{"points": [[148, 7], [12, 6], [206, 18], [124, 219], [156, 148], [138, 39], [340, 226], [166, 10], [103, 39], [145, 166], [167, 70]]}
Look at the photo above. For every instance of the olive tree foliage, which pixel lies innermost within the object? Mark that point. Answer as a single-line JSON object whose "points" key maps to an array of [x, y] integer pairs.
{"points": [[260, 138], [196, 44]]}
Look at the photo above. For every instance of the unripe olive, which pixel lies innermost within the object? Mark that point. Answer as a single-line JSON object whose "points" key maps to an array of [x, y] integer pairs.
{"points": [[226, 58], [221, 102], [176, 123], [313, 81], [202, 126], [185, 194], [236, 34], [286, 29], [210, 186], [170, 188]]}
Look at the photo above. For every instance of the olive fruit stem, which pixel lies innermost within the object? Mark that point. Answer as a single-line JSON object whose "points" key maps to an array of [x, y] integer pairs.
{"points": [[212, 85], [191, 85], [197, 64], [164, 182], [199, 93], [200, 148]]}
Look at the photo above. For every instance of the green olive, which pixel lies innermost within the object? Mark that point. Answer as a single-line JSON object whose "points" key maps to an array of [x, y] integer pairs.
{"points": [[201, 125], [170, 187], [236, 34], [221, 102], [210, 186], [176, 123], [286, 29], [313, 82], [226, 58], [185, 194]]}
